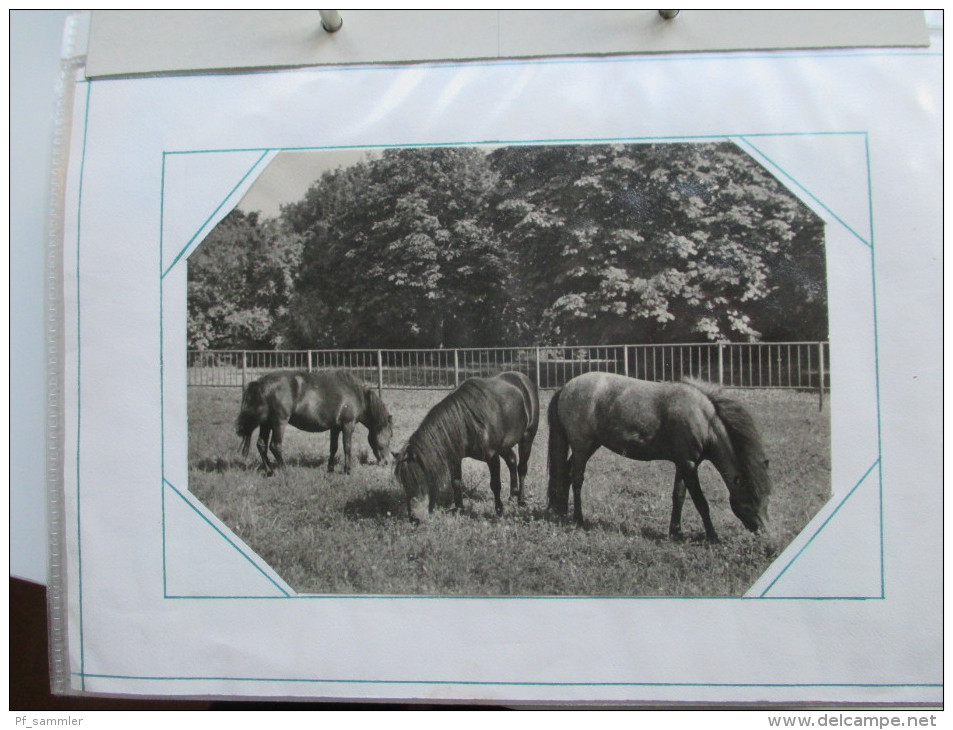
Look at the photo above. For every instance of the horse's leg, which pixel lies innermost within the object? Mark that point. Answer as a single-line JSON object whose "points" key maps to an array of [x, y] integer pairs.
{"points": [[264, 433], [559, 499], [678, 499], [277, 435], [564, 488], [456, 484], [510, 458], [701, 504], [578, 467], [335, 432], [494, 465], [526, 446], [348, 430]]}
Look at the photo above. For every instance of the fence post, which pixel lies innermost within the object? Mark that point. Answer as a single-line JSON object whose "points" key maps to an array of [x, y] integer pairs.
{"points": [[310, 366], [244, 368], [380, 374], [721, 363], [820, 369], [625, 360], [456, 368]]}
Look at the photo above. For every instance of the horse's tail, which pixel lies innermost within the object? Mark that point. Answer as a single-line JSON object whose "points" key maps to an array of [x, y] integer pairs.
{"points": [[249, 417], [558, 459]]}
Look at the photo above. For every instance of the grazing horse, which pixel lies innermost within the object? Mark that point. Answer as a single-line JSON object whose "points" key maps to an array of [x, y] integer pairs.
{"points": [[332, 400], [482, 419], [685, 423]]}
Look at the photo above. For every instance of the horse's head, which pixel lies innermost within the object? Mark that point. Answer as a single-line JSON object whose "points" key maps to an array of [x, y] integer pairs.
{"points": [[378, 438], [737, 452], [412, 476], [749, 490]]}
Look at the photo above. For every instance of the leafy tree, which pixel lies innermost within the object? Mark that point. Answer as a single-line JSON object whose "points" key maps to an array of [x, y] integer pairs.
{"points": [[656, 243], [398, 252], [450, 247], [239, 282]]}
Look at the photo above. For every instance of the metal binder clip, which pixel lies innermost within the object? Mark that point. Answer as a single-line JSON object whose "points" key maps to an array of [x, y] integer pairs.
{"points": [[331, 20]]}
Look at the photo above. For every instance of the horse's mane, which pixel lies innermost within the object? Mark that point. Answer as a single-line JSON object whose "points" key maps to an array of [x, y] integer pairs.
{"points": [[376, 409], [744, 436], [444, 434]]}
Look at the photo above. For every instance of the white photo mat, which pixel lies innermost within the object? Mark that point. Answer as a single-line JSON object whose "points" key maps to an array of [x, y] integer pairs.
{"points": [[166, 600]]}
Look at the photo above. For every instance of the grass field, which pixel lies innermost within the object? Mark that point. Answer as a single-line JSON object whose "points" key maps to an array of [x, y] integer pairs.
{"points": [[331, 533]]}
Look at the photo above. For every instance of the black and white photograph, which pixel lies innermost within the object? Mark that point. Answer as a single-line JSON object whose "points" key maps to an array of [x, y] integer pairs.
{"points": [[574, 369]]}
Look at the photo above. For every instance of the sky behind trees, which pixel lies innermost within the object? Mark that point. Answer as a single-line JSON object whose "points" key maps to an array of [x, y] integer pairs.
{"points": [[291, 173]]}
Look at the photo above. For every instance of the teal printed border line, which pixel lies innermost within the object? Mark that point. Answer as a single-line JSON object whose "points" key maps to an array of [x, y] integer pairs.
{"points": [[79, 385], [745, 138], [474, 683], [162, 275], [873, 290], [807, 192], [211, 216], [521, 142], [223, 535], [628, 60], [823, 525]]}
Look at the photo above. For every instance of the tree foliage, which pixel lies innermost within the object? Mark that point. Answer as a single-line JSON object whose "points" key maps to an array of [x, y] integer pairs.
{"points": [[398, 252], [239, 283], [444, 247], [657, 243]]}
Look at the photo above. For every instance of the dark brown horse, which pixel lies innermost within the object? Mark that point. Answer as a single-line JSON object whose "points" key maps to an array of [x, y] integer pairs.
{"points": [[482, 419], [327, 400], [685, 423]]}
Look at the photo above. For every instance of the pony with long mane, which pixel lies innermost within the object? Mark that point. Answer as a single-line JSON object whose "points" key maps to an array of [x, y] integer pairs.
{"points": [[482, 419], [685, 423], [327, 400]]}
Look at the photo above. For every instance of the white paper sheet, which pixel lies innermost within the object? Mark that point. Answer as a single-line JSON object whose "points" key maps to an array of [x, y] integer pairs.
{"points": [[164, 599]]}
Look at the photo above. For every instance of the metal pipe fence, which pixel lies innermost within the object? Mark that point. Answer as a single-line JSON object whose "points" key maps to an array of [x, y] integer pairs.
{"points": [[794, 365]]}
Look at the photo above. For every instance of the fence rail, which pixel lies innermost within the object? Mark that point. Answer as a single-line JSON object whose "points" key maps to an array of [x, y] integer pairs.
{"points": [[799, 365]]}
